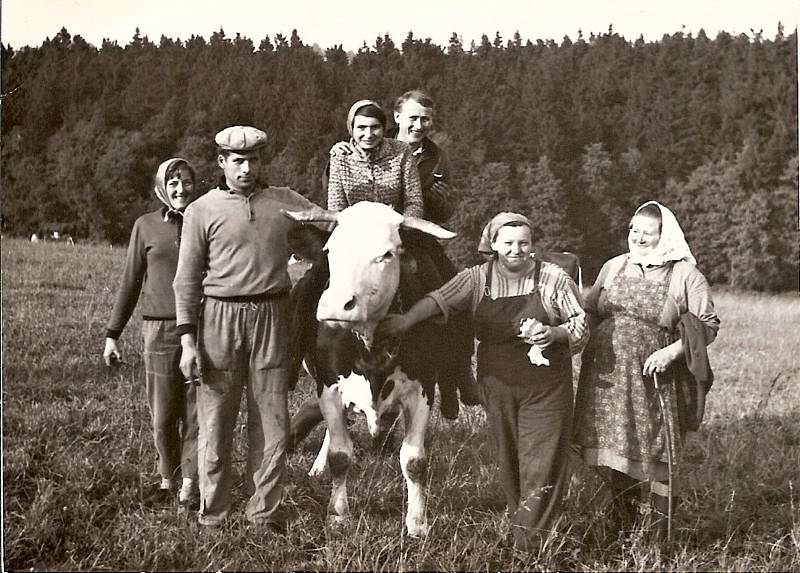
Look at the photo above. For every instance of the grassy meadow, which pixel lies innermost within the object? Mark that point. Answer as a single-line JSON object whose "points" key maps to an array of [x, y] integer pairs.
{"points": [[78, 455]]}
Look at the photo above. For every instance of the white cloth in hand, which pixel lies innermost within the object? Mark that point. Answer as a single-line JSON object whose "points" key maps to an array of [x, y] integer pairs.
{"points": [[527, 329]]}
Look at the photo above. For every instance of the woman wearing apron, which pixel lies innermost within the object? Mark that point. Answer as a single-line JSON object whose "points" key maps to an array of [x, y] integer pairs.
{"points": [[528, 406], [637, 300]]}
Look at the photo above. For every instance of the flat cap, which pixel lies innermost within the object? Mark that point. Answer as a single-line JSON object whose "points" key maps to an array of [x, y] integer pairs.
{"points": [[241, 138]]}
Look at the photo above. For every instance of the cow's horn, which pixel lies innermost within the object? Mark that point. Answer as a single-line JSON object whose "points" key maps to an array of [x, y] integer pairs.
{"points": [[312, 215], [427, 227]]}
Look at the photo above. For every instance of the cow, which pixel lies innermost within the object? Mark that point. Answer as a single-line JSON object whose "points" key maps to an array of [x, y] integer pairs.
{"points": [[355, 371], [54, 237]]}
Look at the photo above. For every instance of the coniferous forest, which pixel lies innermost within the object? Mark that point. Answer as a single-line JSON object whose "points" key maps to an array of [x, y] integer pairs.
{"points": [[575, 133]]}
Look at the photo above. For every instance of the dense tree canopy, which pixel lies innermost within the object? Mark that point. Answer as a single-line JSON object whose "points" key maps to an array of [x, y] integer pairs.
{"points": [[575, 134]]}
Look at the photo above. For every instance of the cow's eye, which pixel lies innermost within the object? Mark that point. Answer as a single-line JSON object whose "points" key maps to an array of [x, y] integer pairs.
{"points": [[387, 256]]}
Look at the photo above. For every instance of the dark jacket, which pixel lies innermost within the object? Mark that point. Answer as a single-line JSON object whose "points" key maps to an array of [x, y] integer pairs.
{"points": [[432, 160], [693, 375]]}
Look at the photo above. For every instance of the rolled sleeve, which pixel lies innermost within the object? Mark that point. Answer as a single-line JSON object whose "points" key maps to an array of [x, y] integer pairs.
{"points": [[570, 309], [458, 293], [697, 293]]}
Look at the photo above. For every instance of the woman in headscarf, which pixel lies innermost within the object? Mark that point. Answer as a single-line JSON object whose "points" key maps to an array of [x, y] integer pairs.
{"points": [[149, 270], [528, 321], [379, 169], [637, 302]]}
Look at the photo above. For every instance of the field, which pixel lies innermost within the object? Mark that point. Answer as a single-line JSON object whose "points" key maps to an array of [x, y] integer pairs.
{"points": [[77, 455]]}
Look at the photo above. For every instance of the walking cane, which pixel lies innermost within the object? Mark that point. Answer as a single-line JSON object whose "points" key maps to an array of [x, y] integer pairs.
{"points": [[668, 437]]}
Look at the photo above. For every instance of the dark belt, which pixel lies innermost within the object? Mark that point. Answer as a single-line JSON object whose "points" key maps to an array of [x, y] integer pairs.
{"points": [[265, 296]]}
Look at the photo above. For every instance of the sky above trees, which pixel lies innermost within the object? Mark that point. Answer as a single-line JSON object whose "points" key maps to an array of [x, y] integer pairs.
{"points": [[326, 23]]}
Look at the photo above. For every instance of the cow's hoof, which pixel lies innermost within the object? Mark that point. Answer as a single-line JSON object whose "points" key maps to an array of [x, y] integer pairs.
{"points": [[316, 470], [336, 519]]}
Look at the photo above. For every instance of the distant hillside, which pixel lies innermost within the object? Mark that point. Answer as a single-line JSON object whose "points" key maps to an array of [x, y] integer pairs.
{"points": [[575, 134]]}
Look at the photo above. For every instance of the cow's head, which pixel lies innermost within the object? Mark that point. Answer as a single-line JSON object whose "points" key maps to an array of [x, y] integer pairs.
{"points": [[364, 259]]}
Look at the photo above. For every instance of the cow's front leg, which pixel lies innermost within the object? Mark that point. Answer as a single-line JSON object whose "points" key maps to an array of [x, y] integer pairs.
{"points": [[340, 451], [322, 457], [413, 461]]}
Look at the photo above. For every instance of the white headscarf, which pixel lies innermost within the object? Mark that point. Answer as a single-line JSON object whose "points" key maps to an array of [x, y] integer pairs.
{"points": [[671, 246], [160, 187]]}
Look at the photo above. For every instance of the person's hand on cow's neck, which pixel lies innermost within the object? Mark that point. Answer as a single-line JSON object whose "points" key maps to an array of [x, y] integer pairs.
{"points": [[394, 325]]}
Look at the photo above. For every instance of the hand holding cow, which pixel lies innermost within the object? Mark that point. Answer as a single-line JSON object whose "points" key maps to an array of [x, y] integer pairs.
{"points": [[394, 325]]}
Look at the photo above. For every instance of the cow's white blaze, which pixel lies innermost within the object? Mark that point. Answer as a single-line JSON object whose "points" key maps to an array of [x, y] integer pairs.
{"points": [[364, 260]]}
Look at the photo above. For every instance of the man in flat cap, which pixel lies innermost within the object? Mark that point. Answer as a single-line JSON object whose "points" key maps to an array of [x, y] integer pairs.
{"points": [[231, 287]]}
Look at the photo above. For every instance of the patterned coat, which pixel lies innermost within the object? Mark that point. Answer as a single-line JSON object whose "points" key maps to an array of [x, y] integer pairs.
{"points": [[388, 175]]}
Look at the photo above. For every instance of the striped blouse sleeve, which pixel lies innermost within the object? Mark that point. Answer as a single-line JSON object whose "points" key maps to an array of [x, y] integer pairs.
{"points": [[459, 293], [567, 305]]}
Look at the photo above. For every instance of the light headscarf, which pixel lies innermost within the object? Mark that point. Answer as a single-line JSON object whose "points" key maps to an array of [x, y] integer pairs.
{"points": [[160, 187], [351, 117], [491, 228], [671, 246]]}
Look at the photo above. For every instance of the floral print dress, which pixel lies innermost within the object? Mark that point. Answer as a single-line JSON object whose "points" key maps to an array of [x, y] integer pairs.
{"points": [[618, 422]]}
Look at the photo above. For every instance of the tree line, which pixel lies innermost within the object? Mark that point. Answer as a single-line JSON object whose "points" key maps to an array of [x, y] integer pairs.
{"points": [[575, 133]]}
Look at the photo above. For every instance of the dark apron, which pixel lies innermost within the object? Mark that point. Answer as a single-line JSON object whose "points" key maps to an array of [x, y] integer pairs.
{"points": [[502, 354]]}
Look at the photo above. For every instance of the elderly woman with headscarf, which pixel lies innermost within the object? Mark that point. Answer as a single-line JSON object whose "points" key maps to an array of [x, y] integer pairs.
{"points": [[638, 301], [528, 321], [147, 278]]}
